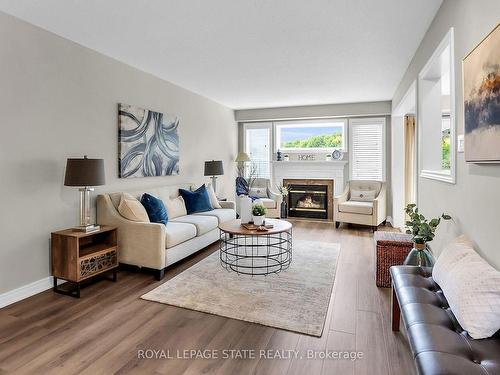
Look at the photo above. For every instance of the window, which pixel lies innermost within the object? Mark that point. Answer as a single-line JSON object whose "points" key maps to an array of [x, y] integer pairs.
{"points": [[436, 98], [258, 147], [367, 149], [445, 141], [313, 135]]}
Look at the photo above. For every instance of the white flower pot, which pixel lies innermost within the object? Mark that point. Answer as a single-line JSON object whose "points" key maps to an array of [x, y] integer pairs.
{"points": [[258, 220]]}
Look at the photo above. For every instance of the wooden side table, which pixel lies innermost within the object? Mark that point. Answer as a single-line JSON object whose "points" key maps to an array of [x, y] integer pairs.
{"points": [[78, 256]]}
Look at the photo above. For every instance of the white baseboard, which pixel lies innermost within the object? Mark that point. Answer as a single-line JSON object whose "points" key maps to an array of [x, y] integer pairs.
{"points": [[28, 290]]}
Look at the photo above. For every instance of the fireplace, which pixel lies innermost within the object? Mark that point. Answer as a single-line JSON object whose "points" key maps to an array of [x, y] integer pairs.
{"points": [[310, 199]]}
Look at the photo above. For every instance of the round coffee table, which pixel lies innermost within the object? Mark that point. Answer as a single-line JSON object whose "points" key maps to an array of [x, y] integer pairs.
{"points": [[252, 252]]}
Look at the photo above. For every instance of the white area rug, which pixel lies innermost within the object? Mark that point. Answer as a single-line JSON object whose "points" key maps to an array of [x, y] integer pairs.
{"points": [[296, 299]]}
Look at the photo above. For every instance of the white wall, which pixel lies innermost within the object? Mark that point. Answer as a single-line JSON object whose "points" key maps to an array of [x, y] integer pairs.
{"points": [[472, 201], [59, 100]]}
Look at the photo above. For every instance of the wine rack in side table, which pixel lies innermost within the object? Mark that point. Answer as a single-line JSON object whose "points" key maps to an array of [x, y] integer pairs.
{"points": [[78, 256]]}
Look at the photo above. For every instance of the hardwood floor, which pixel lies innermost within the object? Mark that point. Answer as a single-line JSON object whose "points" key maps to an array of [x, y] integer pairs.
{"points": [[102, 332]]}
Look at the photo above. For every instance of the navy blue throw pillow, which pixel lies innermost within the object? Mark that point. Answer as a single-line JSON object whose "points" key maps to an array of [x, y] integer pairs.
{"points": [[155, 208], [196, 201]]}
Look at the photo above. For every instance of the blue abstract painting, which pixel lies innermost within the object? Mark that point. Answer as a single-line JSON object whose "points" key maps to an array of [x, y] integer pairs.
{"points": [[148, 142], [481, 69]]}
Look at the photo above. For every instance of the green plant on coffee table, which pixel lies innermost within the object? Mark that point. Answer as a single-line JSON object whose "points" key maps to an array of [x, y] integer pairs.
{"points": [[258, 210], [419, 227]]}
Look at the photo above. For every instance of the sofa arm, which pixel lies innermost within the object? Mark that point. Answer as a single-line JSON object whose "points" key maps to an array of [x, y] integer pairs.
{"points": [[139, 244], [227, 204]]}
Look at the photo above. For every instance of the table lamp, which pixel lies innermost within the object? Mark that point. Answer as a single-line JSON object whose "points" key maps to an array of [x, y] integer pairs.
{"points": [[85, 173], [214, 168]]}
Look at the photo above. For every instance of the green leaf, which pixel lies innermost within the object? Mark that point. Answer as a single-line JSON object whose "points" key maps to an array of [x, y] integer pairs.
{"points": [[446, 217]]}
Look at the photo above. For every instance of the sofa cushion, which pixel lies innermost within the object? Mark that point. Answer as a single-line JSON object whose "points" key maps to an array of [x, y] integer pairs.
{"points": [[266, 202], [131, 209], [175, 207], [203, 223], [213, 197], [177, 233], [354, 207], [155, 208], [222, 214], [196, 201]]}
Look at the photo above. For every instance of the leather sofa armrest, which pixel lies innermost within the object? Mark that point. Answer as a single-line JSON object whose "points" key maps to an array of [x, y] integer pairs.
{"points": [[228, 204]]}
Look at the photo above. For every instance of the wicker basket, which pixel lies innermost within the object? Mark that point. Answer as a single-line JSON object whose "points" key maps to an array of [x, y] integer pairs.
{"points": [[391, 250]]}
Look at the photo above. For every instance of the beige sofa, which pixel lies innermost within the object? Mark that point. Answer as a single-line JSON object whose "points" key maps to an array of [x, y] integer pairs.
{"points": [[370, 213], [156, 246]]}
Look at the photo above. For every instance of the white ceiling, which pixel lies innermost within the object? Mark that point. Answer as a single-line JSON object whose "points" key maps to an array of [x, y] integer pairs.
{"points": [[250, 53]]}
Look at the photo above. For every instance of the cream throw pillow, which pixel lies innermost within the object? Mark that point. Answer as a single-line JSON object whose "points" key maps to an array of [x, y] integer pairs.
{"points": [[175, 207], [213, 198], [131, 209], [471, 286], [362, 195]]}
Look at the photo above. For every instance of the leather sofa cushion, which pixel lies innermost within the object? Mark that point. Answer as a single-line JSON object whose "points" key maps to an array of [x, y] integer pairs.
{"points": [[203, 223], [177, 233], [354, 207], [222, 214]]}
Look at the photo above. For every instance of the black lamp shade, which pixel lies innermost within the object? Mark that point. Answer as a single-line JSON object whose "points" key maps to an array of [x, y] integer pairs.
{"points": [[84, 172], [214, 168]]}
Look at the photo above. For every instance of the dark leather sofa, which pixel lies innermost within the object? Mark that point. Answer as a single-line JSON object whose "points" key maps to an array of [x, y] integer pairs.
{"points": [[439, 344]]}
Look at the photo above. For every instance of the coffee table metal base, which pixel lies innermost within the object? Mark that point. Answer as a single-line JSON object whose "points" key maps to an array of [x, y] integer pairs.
{"points": [[256, 254]]}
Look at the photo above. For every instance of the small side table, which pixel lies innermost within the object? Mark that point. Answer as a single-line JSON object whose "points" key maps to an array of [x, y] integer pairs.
{"points": [[78, 256]]}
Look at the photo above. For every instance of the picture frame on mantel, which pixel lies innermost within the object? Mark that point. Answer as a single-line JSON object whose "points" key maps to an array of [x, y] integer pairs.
{"points": [[481, 95]]}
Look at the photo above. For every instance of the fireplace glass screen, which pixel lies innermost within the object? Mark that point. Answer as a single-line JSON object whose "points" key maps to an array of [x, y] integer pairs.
{"points": [[308, 201]]}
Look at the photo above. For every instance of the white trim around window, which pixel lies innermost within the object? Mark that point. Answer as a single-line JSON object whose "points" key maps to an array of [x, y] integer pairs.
{"points": [[428, 155]]}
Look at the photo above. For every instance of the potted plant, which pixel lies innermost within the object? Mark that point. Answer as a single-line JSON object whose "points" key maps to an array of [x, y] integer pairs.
{"points": [[283, 190], [422, 231], [258, 214]]}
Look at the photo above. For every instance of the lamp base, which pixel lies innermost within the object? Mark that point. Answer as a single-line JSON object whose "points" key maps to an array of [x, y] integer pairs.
{"points": [[87, 228]]}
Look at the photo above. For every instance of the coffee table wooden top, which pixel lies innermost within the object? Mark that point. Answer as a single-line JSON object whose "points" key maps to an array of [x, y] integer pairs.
{"points": [[234, 227]]}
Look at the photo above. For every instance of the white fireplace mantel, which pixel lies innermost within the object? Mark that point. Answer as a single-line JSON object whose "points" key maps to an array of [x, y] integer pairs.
{"points": [[320, 169]]}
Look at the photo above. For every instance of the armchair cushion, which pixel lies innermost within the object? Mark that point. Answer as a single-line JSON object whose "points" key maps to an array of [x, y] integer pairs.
{"points": [[355, 207], [258, 192], [363, 195], [266, 202]]}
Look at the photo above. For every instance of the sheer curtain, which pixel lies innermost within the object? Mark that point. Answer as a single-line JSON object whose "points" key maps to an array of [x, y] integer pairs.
{"points": [[409, 131]]}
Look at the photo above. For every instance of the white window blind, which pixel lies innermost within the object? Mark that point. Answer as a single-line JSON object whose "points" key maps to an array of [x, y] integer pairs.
{"points": [[367, 149]]}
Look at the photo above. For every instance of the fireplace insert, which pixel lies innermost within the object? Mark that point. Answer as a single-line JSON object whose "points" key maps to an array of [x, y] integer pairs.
{"points": [[309, 201]]}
